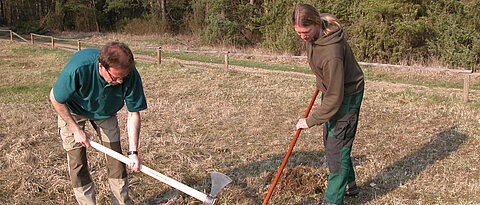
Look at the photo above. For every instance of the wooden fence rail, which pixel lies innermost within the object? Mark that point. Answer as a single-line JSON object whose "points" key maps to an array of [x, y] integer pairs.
{"points": [[467, 73], [13, 34]]}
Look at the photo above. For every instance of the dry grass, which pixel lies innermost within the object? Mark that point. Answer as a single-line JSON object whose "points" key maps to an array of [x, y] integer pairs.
{"points": [[415, 145]]}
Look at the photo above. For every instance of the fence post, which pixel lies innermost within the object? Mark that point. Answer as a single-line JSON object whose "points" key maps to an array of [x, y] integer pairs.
{"points": [[31, 38], [53, 43], [225, 66], [159, 55], [475, 65], [11, 35], [466, 86], [78, 46]]}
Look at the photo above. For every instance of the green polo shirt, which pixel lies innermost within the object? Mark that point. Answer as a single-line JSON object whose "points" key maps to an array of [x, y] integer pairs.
{"points": [[86, 93]]}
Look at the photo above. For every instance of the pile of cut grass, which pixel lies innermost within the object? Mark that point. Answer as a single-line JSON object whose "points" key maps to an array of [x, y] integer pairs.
{"points": [[412, 140]]}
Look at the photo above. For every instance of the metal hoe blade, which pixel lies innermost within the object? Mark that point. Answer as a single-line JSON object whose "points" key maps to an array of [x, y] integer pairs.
{"points": [[219, 181]]}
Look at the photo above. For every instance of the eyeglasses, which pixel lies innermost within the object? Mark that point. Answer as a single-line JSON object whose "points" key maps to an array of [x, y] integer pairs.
{"points": [[111, 77]]}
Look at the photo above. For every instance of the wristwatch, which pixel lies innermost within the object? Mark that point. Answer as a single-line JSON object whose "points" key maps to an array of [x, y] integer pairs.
{"points": [[132, 152]]}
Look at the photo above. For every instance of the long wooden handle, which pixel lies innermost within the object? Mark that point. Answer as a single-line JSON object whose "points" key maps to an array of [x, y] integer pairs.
{"points": [[285, 160], [167, 180]]}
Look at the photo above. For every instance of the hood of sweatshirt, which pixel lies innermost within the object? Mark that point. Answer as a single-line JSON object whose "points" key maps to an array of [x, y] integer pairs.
{"points": [[330, 39]]}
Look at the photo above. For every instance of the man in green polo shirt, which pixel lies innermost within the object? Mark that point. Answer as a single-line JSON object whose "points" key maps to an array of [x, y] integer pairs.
{"points": [[93, 87]]}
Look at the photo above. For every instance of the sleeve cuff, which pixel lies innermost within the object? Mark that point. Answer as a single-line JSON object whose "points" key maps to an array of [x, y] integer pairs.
{"points": [[310, 122]]}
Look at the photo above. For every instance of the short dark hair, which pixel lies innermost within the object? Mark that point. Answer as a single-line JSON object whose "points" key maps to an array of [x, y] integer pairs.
{"points": [[112, 55]]}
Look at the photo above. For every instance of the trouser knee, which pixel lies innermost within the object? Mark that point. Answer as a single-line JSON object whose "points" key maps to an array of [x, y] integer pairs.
{"points": [[78, 167], [116, 169]]}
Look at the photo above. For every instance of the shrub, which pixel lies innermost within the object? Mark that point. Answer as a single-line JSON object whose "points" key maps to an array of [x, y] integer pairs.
{"points": [[276, 28], [456, 36], [221, 30], [195, 19], [389, 31], [140, 26]]}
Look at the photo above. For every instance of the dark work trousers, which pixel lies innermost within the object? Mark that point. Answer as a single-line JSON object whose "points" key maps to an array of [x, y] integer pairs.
{"points": [[338, 135]]}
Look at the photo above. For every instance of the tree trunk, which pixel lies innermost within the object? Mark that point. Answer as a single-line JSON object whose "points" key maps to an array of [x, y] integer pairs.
{"points": [[162, 9], [59, 13], [95, 16], [2, 7]]}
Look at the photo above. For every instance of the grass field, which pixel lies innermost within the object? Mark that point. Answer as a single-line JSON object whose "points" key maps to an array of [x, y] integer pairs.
{"points": [[417, 143]]}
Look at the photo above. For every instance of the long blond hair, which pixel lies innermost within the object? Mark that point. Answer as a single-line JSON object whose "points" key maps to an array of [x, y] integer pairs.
{"points": [[306, 15]]}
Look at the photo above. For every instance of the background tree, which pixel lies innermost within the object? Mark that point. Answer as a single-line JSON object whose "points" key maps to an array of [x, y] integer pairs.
{"points": [[384, 31]]}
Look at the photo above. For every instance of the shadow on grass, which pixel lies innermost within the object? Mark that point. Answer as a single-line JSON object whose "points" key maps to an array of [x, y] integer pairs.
{"points": [[239, 175], [268, 168], [391, 177], [410, 166]]}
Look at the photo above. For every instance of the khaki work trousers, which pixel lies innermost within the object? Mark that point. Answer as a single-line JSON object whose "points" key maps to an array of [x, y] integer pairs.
{"points": [[109, 133]]}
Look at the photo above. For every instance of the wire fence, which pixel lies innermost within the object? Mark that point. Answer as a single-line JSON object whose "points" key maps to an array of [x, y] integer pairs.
{"points": [[79, 43]]}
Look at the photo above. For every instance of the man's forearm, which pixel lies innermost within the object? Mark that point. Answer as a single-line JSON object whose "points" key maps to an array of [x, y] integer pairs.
{"points": [[64, 113], [133, 126]]}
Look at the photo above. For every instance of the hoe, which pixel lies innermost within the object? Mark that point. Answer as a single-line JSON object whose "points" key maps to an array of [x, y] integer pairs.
{"points": [[219, 180], [289, 152]]}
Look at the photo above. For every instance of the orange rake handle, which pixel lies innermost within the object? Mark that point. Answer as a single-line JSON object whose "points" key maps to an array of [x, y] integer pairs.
{"points": [[285, 160]]}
